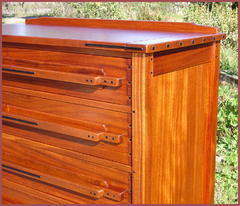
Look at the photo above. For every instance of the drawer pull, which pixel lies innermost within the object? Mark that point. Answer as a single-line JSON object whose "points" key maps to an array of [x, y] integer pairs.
{"points": [[87, 189], [65, 129], [67, 76]]}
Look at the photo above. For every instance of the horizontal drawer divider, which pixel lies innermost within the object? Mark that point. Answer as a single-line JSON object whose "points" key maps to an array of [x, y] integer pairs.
{"points": [[19, 120], [68, 99], [87, 189], [17, 71], [20, 171], [64, 129], [87, 79]]}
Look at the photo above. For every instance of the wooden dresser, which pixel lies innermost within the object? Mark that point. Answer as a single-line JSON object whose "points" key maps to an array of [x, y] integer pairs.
{"points": [[109, 112]]}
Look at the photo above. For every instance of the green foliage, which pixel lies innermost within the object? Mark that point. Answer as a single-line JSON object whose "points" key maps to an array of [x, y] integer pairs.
{"points": [[224, 17], [229, 60], [107, 10], [23, 9], [221, 16], [110, 10], [227, 147]]}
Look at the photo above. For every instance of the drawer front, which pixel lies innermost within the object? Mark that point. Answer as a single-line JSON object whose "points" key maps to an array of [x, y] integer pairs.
{"points": [[98, 132], [80, 75], [91, 181], [16, 192]]}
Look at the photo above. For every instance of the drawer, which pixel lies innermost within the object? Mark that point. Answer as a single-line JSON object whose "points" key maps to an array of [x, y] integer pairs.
{"points": [[87, 76], [80, 128], [16, 192], [89, 181]]}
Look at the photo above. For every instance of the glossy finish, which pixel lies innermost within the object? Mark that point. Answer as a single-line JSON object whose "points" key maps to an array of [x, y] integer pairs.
{"points": [[71, 174], [175, 165], [141, 36], [109, 112], [55, 71], [183, 58], [98, 132]]}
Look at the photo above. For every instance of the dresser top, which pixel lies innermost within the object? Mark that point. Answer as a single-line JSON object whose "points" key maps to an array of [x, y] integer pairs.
{"points": [[135, 36]]}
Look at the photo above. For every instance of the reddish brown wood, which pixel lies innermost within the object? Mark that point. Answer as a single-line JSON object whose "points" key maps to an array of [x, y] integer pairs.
{"points": [[86, 79], [46, 62], [15, 193], [178, 111], [138, 36], [90, 51], [183, 58], [71, 124], [159, 114], [64, 172], [124, 24], [64, 98]]}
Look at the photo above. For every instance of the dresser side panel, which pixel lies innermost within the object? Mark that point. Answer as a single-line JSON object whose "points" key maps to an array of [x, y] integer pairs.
{"points": [[177, 134]]}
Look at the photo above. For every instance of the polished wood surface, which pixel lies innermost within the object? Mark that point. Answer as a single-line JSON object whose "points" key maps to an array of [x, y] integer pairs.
{"points": [[138, 36], [183, 58], [80, 128], [61, 171], [15, 193], [109, 112], [54, 71], [124, 24], [176, 150], [22, 190], [69, 99], [142, 68]]}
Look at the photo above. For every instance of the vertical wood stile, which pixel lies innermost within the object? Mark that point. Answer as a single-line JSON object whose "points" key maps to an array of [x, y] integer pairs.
{"points": [[211, 145], [141, 69]]}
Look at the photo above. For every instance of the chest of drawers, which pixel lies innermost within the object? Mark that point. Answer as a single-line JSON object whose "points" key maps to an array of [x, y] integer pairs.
{"points": [[109, 112]]}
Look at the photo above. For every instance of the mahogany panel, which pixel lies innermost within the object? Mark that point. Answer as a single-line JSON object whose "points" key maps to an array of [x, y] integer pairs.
{"points": [[85, 116], [69, 126], [17, 184], [82, 177], [177, 59], [64, 98], [174, 159], [70, 84], [129, 36], [123, 24], [64, 146], [15, 193], [48, 69], [99, 52]]}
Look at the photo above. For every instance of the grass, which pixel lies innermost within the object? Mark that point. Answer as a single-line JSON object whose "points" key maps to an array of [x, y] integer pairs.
{"points": [[227, 148], [220, 15]]}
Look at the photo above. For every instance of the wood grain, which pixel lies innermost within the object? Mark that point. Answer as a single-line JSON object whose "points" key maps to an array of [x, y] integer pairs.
{"points": [[126, 24], [150, 85], [69, 99], [98, 52], [50, 191], [84, 116], [177, 136], [54, 117], [46, 142], [63, 171], [134, 36], [177, 59], [83, 64], [142, 67], [14, 193]]}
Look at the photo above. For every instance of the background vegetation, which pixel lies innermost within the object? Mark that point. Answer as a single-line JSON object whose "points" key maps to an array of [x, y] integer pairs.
{"points": [[221, 15]]}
